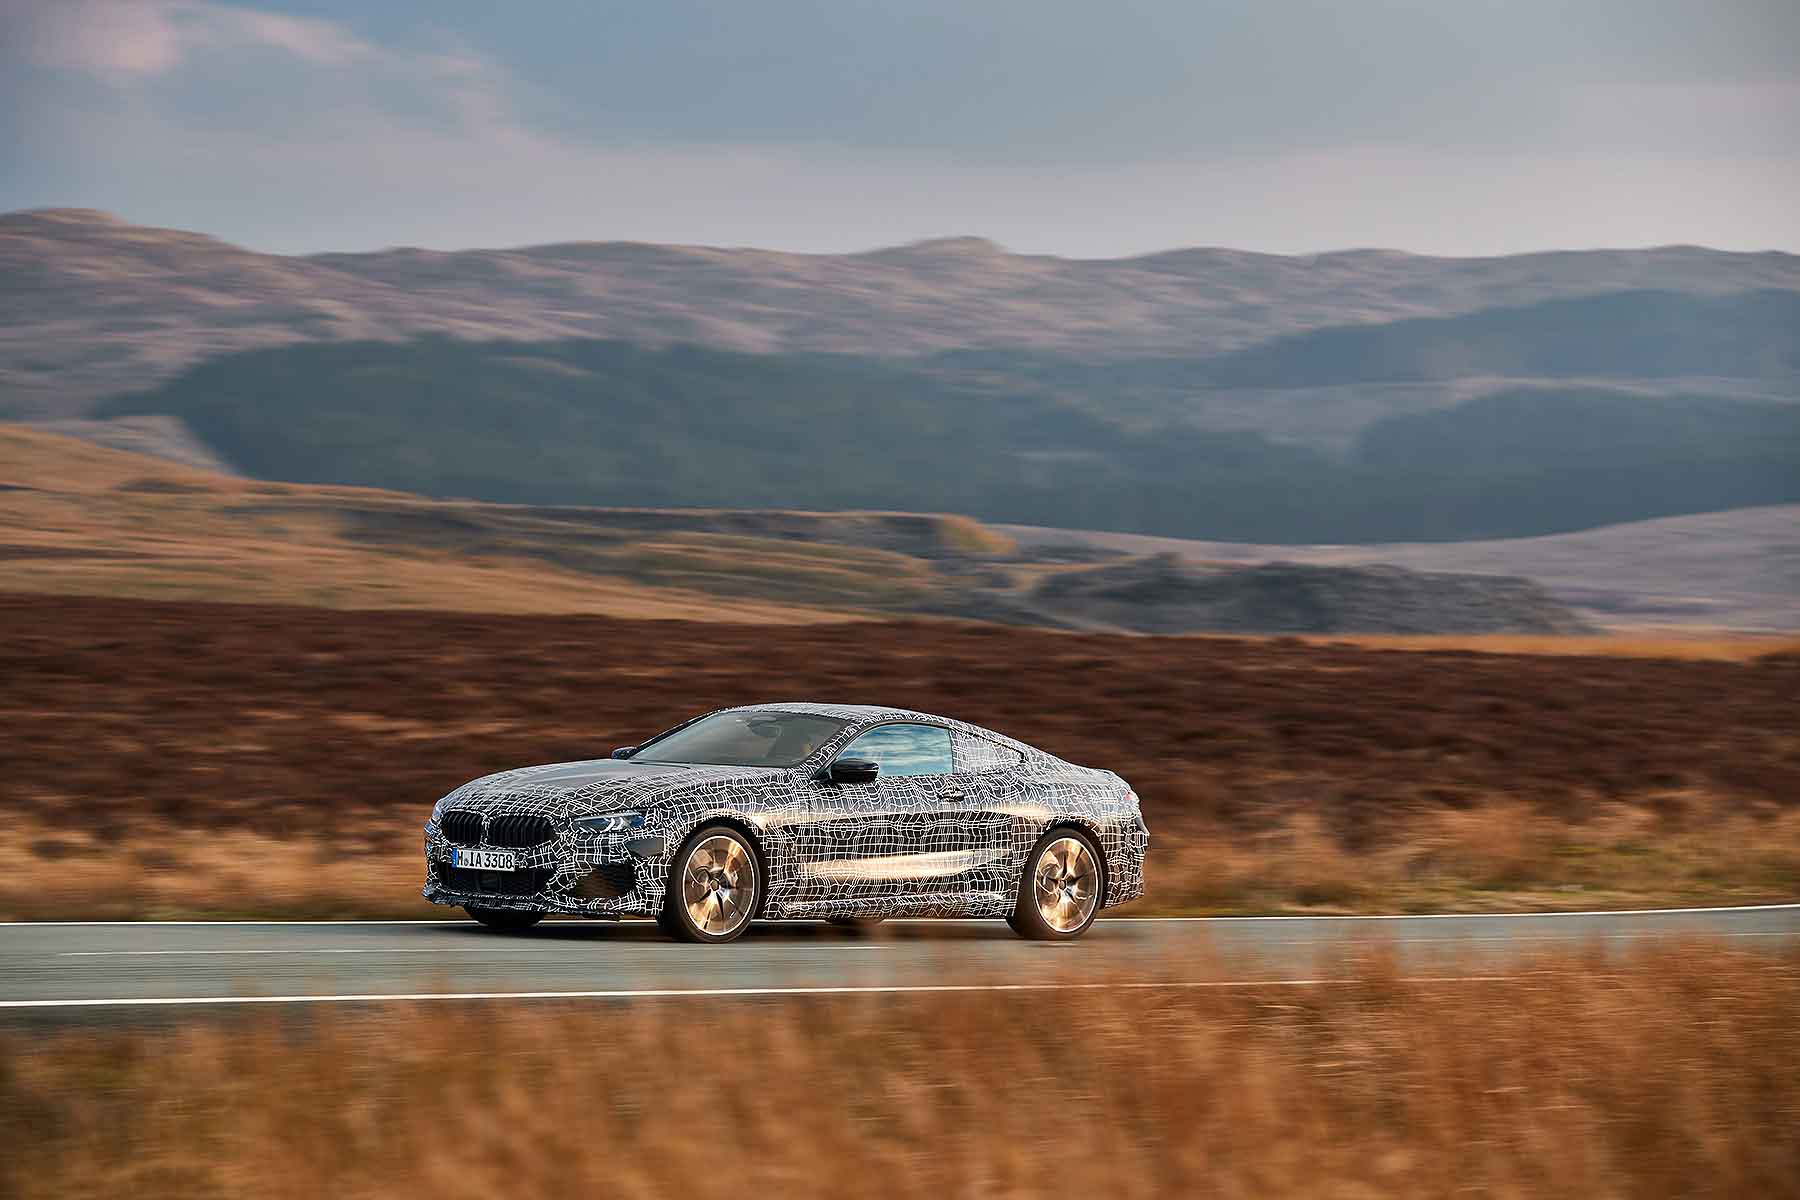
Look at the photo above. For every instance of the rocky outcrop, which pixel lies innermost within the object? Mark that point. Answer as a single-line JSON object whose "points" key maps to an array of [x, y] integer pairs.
{"points": [[1160, 594]]}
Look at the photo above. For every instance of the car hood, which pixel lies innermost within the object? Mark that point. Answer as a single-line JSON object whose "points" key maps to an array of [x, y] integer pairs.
{"points": [[600, 785]]}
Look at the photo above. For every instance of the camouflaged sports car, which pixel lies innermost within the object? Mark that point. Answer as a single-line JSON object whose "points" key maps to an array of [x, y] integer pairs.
{"points": [[834, 811]]}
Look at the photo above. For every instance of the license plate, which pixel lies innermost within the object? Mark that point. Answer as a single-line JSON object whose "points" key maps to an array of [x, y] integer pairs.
{"points": [[484, 860]]}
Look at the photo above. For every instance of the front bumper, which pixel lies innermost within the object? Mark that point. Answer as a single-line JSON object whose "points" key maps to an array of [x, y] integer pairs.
{"points": [[606, 875], [1125, 849]]}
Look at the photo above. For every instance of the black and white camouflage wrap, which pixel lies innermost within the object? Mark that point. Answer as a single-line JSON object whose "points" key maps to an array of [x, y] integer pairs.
{"points": [[902, 846]]}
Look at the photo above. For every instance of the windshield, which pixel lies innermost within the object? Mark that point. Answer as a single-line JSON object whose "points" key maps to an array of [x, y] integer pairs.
{"points": [[752, 738]]}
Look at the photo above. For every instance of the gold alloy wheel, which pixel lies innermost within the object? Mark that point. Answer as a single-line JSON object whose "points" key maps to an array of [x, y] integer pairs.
{"points": [[1066, 884], [718, 885]]}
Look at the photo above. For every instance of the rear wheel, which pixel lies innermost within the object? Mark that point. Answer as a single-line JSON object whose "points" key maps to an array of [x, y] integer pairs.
{"points": [[715, 887], [507, 920], [1059, 896]]}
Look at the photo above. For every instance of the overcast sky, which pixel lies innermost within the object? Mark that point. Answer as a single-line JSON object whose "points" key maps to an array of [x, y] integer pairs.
{"points": [[1091, 129]]}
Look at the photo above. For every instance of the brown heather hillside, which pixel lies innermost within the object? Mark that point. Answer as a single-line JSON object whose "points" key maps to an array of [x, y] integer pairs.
{"points": [[91, 305], [1275, 774]]}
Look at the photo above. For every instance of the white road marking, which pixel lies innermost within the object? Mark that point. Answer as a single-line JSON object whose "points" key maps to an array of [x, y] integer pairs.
{"points": [[6, 925], [721, 993], [1614, 925], [541, 950], [1540, 937]]}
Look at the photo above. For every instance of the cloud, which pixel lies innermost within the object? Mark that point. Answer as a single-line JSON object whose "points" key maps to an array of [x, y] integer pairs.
{"points": [[295, 133], [132, 39], [198, 69], [377, 178], [108, 38]]}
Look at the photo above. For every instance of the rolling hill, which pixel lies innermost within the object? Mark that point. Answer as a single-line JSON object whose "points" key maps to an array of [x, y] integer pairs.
{"points": [[611, 423], [1357, 397], [87, 520], [91, 305]]}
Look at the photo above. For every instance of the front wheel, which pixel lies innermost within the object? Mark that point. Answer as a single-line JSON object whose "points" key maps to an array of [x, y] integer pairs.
{"points": [[506, 920], [715, 887], [1059, 896]]}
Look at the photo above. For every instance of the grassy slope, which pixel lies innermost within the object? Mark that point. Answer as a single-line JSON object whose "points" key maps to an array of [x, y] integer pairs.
{"points": [[587, 422], [1453, 781], [81, 519]]}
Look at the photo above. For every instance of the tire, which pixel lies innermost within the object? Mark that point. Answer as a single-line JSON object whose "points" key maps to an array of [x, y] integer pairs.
{"points": [[1062, 889], [715, 887], [506, 920]]}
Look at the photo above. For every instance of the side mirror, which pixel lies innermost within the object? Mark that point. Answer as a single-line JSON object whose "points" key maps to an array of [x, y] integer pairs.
{"points": [[624, 752], [853, 770]]}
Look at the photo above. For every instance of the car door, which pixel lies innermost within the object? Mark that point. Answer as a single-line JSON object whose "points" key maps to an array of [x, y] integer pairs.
{"points": [[895, 842], [999, 817]]}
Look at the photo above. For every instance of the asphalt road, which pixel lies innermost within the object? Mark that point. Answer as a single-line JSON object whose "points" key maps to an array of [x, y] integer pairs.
{"points": [[92, 969]]}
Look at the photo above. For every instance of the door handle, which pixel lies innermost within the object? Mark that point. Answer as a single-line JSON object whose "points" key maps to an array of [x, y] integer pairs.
{"points": [[951, 795]]}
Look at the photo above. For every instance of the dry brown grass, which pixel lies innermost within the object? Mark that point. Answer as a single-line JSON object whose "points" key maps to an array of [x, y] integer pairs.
{"points": [[1671, 1071], [161, 873], [1688, 645], [1498, 856], [171, 759], [85, 520], [1503, 857]]}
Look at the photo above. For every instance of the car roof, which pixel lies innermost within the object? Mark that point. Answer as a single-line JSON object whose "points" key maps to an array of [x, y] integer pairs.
{"points": [[848, 712], [865, 714]]}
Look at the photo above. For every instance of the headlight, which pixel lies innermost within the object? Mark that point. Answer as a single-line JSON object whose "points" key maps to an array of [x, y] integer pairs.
{"points": [[617, 822]]}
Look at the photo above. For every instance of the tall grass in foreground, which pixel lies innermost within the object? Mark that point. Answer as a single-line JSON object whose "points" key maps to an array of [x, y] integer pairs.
{"points": [[1498, 855], [1673, 1070]]}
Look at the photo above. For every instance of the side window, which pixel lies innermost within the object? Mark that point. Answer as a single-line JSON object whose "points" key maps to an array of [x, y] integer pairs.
{"points": [[978, 754], [904, 749]]}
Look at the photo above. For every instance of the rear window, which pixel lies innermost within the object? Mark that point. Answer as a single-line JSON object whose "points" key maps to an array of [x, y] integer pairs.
{"points": [[978, 754]]}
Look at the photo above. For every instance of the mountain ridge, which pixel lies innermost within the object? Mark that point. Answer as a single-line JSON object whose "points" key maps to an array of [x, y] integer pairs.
{"points": [[92, 305], [75, 214]]}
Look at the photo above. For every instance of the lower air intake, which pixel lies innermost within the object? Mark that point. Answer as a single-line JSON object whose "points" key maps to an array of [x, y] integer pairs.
{"points": [[469, 882], [608, 881]]}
